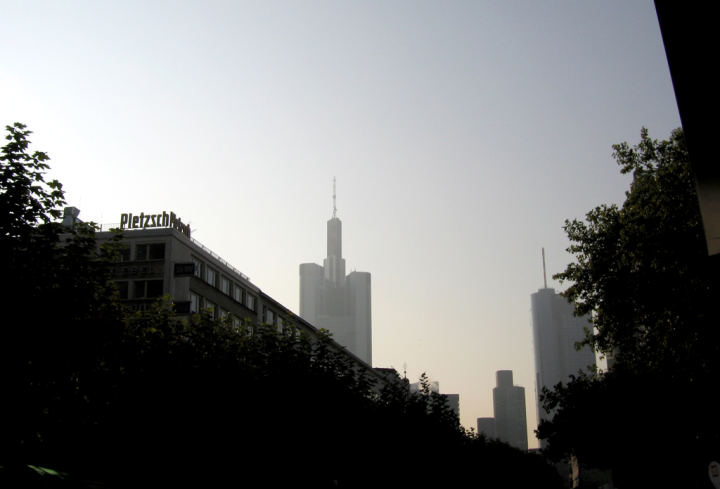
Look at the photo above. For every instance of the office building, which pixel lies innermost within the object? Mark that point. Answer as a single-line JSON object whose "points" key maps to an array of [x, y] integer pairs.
{"points": [[509, 410], [161, 258], [453, 400], [434, 386], [487, 426], [555, 332], [337, 302]]}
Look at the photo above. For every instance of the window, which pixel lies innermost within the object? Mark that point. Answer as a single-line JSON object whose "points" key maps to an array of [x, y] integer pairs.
{"points": [[147, 289], [238, 294], [250, 302], [225, 285], [213, 308], [270, 317], [124, 254], [210, 276], [198, 267], [154, 251], [124, 289], [195, 302], [223, 313]]}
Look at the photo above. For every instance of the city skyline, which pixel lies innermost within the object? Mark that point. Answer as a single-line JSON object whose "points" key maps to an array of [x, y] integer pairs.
{"points": [[462, 136]]}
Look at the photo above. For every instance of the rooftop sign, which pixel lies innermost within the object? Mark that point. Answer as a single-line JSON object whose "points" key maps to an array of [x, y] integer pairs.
{"points": [[164, 220]]}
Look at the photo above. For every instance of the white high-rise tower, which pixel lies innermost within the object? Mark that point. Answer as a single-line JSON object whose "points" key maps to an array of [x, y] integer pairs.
{"points": [[555, 332]]}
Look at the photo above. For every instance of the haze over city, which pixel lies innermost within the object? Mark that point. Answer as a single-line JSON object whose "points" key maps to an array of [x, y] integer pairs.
{"points": [[462, 135]]}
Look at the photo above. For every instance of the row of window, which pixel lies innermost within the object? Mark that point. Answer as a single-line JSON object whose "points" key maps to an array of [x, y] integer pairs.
{"points": [[197, 303], [271, 317], [226, 286], [141, 289], [144, 252], [152, 289]]}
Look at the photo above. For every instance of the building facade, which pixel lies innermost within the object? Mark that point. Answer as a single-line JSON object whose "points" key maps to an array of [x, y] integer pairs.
{"points": [[161, 258], [509, 410], [555, 332], [337, 302], [453, 400], [487, 426]]}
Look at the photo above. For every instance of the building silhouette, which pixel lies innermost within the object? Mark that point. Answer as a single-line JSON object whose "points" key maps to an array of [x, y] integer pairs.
{"points": [[453, 400], [509, 410], [487, 426], [433, 384], [337, 302], [555, 332]]}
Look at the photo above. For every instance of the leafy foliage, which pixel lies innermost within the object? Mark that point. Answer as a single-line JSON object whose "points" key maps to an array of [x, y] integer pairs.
{"points": [[24, 198], [644, 275], [642, 270], [56, 296]]}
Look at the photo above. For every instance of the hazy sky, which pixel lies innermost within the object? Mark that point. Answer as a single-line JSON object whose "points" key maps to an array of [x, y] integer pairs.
{"points": [[462, 135]]}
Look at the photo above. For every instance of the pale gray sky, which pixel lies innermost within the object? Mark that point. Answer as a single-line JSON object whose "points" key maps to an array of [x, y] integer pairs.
{"points": [[462, 135]]}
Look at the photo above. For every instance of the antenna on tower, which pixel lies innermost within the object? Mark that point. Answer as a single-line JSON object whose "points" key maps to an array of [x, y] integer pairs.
{"points": [[544, 274], [334, 196]]}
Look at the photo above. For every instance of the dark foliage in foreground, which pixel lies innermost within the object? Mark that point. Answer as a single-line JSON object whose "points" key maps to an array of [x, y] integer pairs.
{"points": [[148, 399], [644, 275]]}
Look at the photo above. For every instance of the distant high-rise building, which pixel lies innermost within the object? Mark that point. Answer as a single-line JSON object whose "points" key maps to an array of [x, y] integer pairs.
{"points": [[453, 400], [509, 410], [341, 304], [487, 426], [555, 332], [434, 386]]}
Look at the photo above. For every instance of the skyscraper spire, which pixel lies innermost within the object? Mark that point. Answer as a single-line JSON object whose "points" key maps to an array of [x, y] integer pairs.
{"points": [[544, 274], [334, 206]]}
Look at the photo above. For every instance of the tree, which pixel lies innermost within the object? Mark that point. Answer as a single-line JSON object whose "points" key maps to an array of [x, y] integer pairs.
{"points": [[59, 296], [24, 200], [643, 271], [644, 276]]}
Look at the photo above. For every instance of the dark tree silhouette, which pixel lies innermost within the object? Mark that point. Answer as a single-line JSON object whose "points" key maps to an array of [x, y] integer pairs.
{"points": [[644, 275]]}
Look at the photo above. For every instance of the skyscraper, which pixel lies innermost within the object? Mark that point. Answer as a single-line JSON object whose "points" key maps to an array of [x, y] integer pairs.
{"points": [[509, 410], [453, 400], [341, 304], [487, 426], [555, 332]]}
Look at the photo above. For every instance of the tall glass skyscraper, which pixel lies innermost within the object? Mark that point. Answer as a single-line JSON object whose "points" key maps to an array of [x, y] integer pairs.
{"points": [[555, 332], [341, 304], [509, 410]]}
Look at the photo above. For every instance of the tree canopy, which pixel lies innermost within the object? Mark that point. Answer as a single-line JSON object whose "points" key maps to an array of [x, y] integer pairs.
{"points": [[644, 276], [26, 199]]}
